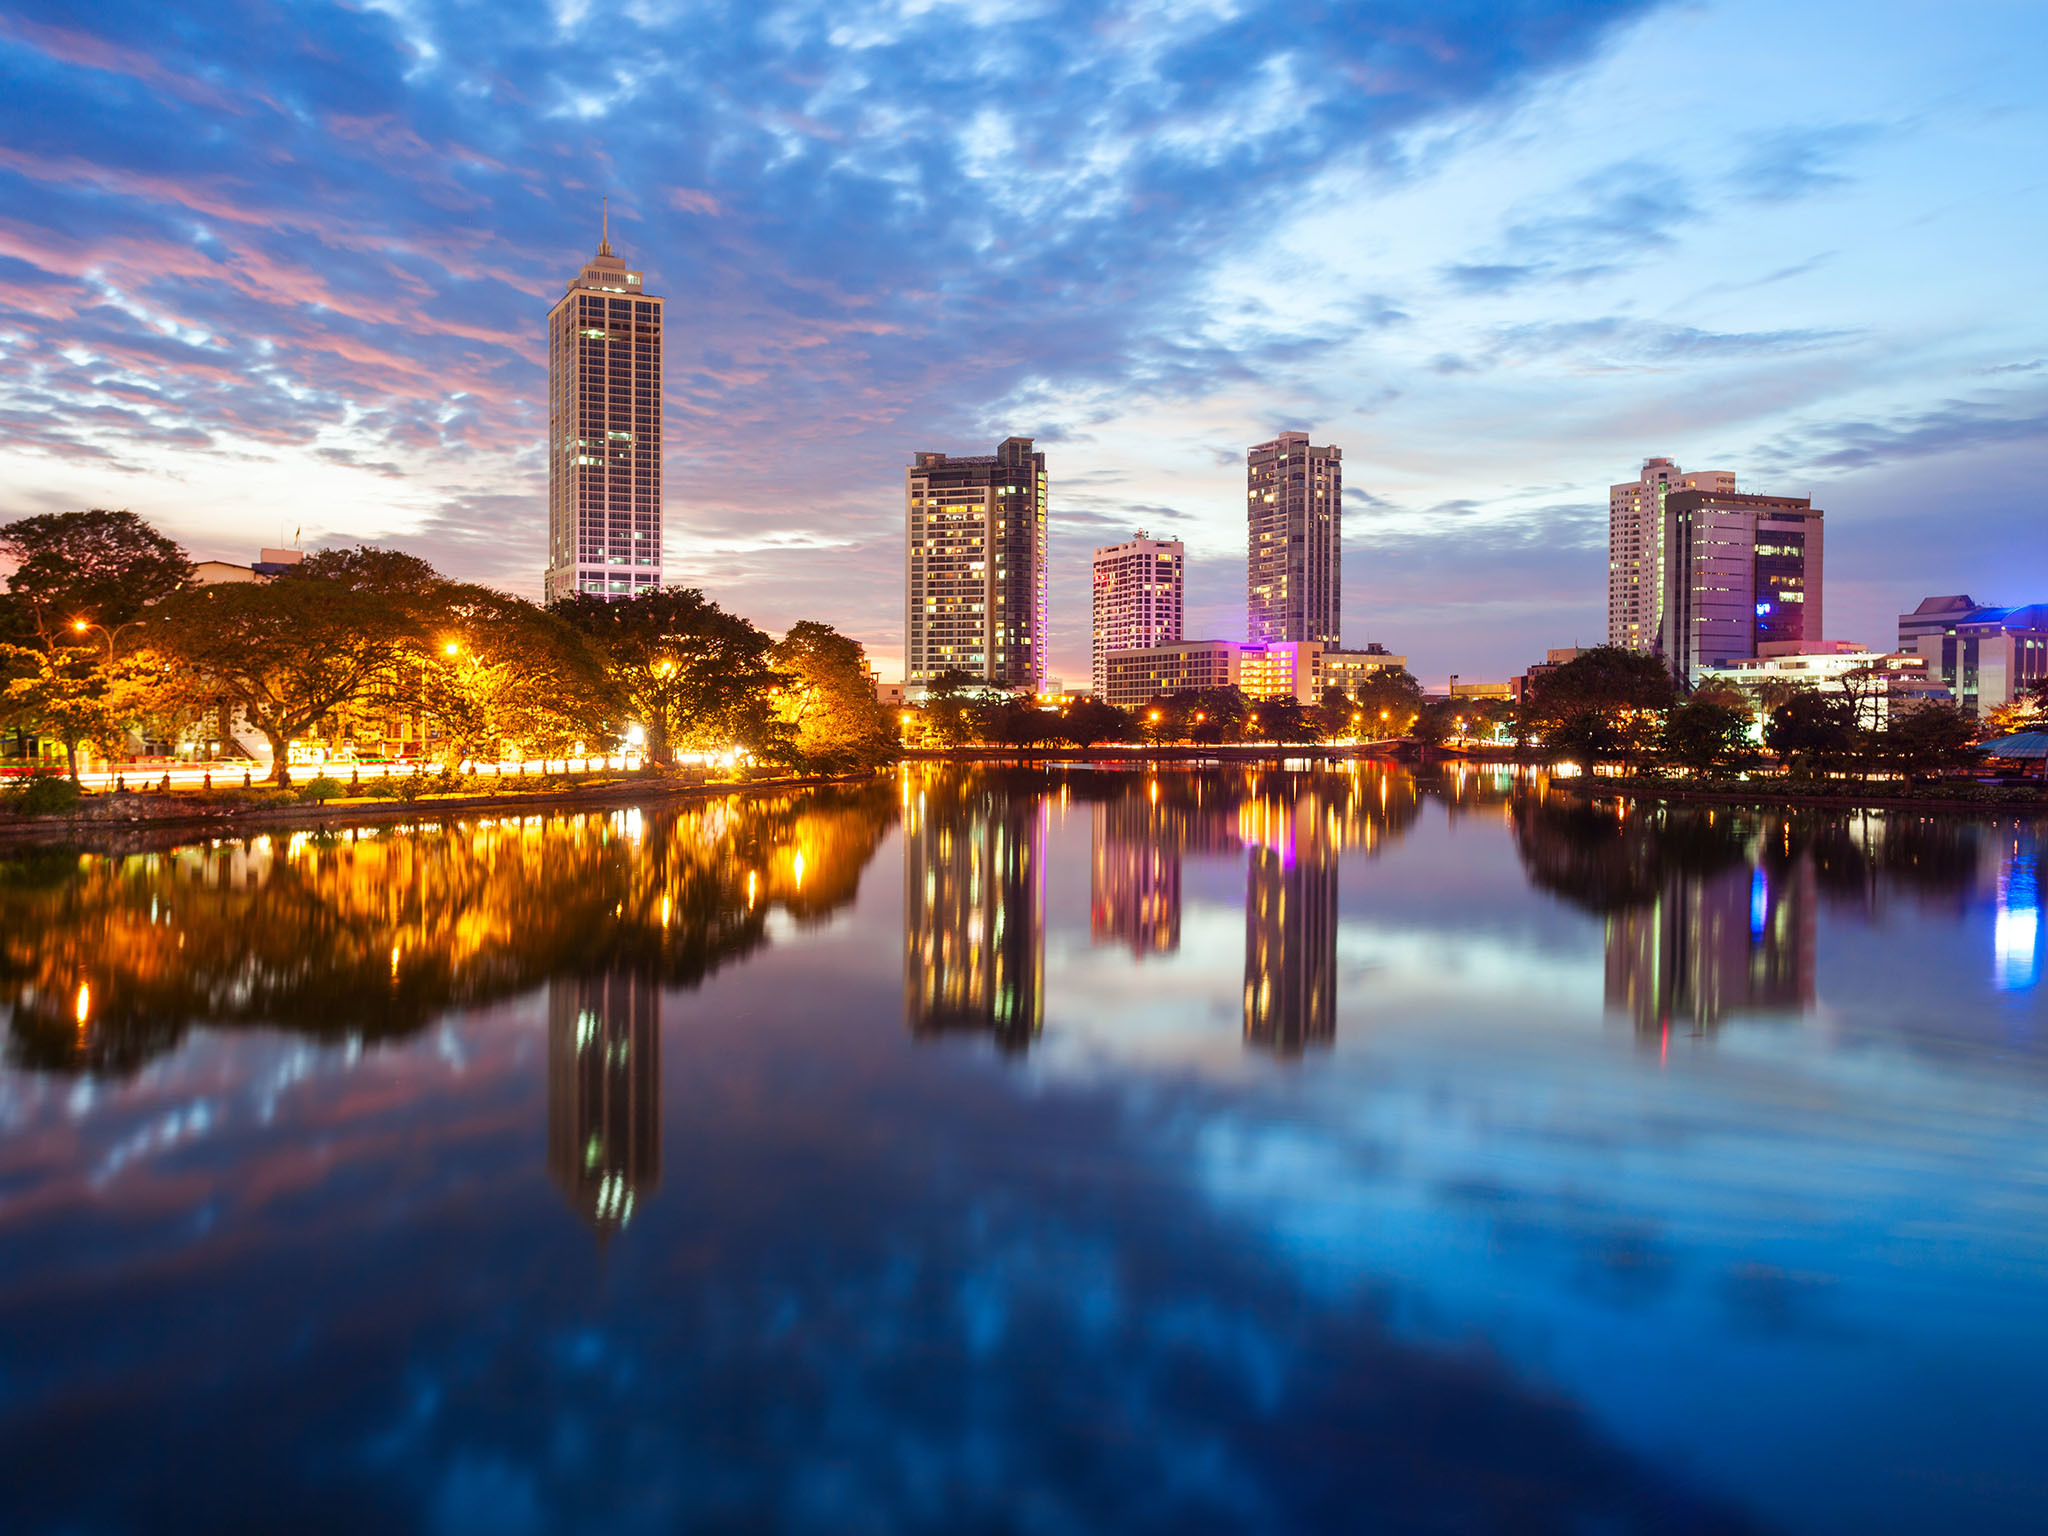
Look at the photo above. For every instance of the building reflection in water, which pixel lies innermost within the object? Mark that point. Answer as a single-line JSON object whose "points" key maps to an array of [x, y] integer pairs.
{"points": [[2016, 925], [1135, 870], [1740, 941], [974, 906], [604, 1094], [1290, 921]]}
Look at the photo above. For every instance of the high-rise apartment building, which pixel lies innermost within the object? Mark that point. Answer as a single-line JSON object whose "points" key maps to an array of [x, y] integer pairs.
{"points": [[1139, 598], [1294, 509], [1635, 529], [1705, 575], [604, 433], [975, 566]]}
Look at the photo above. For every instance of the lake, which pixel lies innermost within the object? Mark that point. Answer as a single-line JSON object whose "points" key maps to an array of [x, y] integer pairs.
{"points": [[978, 1149]]}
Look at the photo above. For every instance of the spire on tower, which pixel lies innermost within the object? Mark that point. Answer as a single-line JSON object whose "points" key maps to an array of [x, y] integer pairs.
{"points": [[604, 244]]}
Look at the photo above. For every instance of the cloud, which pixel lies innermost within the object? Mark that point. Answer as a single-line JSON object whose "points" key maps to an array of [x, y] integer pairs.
{"points": [[1796, 163], [1951, 427]]}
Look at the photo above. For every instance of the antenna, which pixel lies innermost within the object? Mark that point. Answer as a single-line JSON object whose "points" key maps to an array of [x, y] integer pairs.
{"points": [[604, 244]]}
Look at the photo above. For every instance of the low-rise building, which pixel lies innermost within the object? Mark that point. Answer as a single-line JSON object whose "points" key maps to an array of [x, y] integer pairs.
{"points": [[269, 564], [1880, 682], [1985, 656], [1301, 668]]}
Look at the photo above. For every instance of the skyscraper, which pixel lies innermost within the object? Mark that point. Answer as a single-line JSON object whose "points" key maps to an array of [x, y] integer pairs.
{"points": [[1294, 506], [1703, 574], [604, 433], [1139, 598], [975, 566]]}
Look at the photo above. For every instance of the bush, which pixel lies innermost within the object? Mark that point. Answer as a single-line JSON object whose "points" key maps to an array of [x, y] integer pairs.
{"points": [[45, 794], [321, 789]]}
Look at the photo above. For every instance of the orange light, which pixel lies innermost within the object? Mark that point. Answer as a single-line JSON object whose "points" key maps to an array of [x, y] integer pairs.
{"points": [[451, 647], [80, 625]]}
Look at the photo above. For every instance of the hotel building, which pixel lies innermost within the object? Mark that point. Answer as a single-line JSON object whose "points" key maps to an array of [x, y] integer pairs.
{"points": [[975, 566], [1705, 575], [1300, 668], [604, 434], [1985, 656], [1139, 596], [1294, 512]]}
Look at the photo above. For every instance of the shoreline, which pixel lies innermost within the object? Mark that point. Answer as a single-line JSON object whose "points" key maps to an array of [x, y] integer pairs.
{"points": [[2026, 802], [184, 824]]}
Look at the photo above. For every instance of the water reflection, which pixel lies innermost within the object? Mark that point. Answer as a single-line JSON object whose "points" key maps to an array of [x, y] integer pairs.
{"points": [[289, 1126], [974, 905], [604, 1094], [107, 961]]}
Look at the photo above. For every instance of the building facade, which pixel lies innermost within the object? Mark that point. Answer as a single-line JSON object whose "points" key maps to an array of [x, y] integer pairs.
{"points": [[604, 434], [1635, 547], [1294, 512], [1877, 683], [1139, 597], [1740, 572], [975, 562], [1986, 657], [1300, 668]]}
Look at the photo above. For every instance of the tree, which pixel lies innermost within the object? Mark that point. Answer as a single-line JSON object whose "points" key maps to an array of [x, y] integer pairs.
{"points": [[496, 671], [1608, 701], [1812, 731], [1707, 734], [285, 654], [689, 673], [1088, 721], [948, 700], [827, 700], [81, 579], [1432, 722], [1285, 719], [1927, 738], [103, 568], [1388, 700]]}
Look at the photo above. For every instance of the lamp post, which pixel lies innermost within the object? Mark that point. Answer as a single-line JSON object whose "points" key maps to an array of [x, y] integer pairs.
{"points": [[83, 626]]}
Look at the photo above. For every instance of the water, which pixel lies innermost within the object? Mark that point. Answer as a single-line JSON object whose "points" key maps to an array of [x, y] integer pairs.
{"points": [[985, 1151]]}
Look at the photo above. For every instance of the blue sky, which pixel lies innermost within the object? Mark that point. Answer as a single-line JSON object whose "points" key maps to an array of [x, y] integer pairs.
{"points": [[266, 266]]}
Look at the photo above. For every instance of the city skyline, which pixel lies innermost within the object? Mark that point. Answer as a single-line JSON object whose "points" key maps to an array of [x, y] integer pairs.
{"points": [[245, 292]]}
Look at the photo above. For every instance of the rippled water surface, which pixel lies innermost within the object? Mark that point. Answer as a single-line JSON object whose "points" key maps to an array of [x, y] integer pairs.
{"points": [[993, 1151]]}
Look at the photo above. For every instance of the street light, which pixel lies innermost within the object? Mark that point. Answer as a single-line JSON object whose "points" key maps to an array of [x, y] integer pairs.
{"points": [[83, 625]]}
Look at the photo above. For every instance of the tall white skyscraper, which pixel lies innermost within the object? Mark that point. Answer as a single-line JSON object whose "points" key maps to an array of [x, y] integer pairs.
{"points": [[1635, 548], [604, 433], [1294, 511], [1139, 599]]}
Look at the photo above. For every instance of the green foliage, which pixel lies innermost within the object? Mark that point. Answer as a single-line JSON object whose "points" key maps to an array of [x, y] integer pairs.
{"points": [[45, 794], [1604, 704], [827, 703], [321, 790], [1706, 735], [685, 670], [1086, 722], [1813, 732], [1928, 738], [1388, 701], [497, 673], [287, 653], [101, 567]]}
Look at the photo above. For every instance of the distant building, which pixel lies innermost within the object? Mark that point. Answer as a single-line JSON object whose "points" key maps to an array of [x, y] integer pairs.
{"points": [[1481, 690], [1555, 657], [1984, 656], [975, 566], [604, 434], [1139, 595], [269, 564], [1635, 535], [1294, 503], [1300, 668], [1878, 682]]}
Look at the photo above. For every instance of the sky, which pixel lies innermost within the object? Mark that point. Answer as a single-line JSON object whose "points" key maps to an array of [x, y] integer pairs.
{"points": [[273, 271]]}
